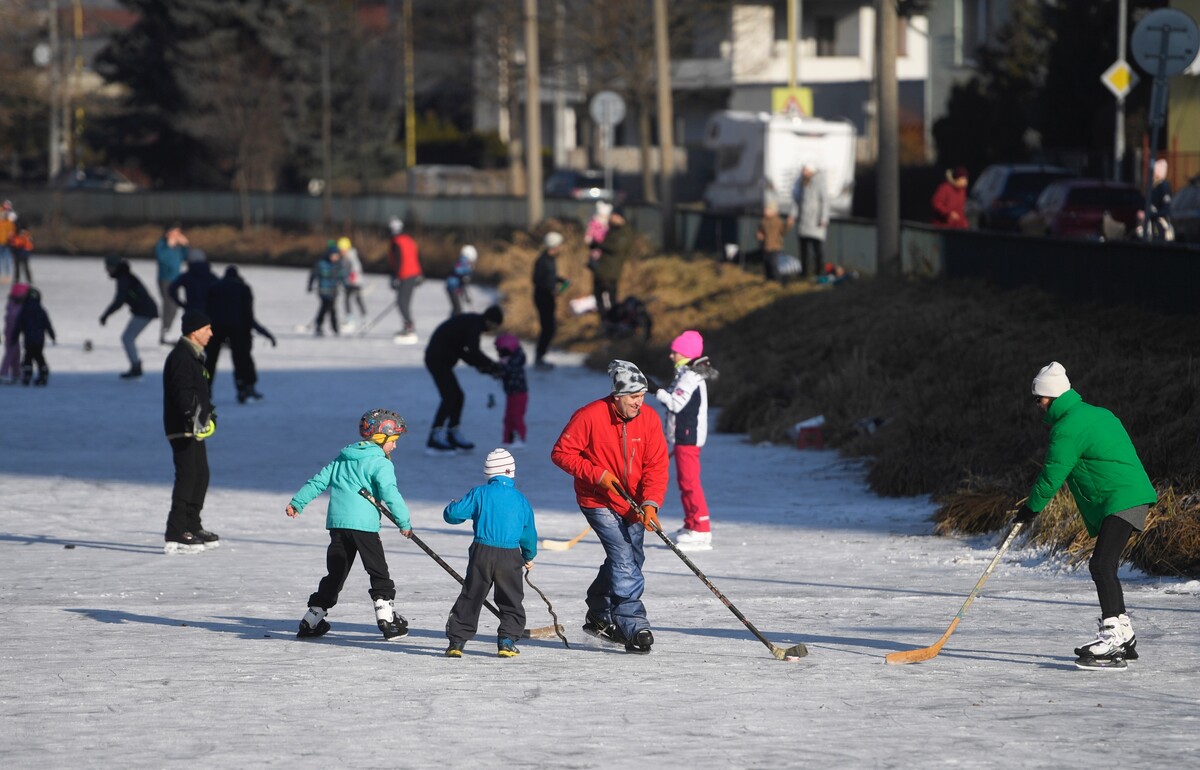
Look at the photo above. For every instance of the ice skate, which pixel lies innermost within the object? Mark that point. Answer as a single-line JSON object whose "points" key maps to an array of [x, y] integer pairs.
{"points": [[458, 441], [209, 540], [641, 642], [313, 624], [393, 625], [183, 543], [604, 631], [1115, 639], [134, 373], [438, 444], [506, 648], [691, 540], [516, 443]]}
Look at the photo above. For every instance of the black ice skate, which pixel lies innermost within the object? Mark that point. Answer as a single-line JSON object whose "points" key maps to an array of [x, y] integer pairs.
{"points": [[313, 624]]}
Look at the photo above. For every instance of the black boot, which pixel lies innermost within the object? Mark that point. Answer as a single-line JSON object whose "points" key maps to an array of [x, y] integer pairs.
{"points": [[134, 372]]}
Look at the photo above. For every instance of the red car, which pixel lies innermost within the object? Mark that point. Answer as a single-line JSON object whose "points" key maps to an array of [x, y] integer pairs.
{"points": [[1076, 208]]}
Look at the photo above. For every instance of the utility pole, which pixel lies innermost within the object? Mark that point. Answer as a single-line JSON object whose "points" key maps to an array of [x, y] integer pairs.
{"points": [[666, 128], [1119, 129], [533, 115], [326, 120], [887, 162], [793, 25], [560, 85], [55, 139], [410, 91]]}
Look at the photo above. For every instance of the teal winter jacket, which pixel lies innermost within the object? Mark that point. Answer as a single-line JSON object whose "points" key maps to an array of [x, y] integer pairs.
{"points": [[358, 466], [1090, 450], [502, 516]]}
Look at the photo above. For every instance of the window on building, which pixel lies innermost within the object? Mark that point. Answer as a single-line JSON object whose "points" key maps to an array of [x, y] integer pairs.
{"points": [[826, 36]]}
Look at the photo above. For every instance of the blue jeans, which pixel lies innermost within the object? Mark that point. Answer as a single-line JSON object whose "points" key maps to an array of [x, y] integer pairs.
{"points": [[616, 593]]}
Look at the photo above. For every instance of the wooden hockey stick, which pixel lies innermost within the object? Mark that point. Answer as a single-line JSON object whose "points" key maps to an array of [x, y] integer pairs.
{"points": [[553, 616], [795, 652], [565, 545], [546, 632], [926, 653]]}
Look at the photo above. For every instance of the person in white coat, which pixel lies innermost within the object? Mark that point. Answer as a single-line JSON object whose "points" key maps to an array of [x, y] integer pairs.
{"points": [[811, 218]]}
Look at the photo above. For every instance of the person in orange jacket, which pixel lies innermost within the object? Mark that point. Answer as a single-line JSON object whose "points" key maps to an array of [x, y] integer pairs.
{"points": [[610, 446]]}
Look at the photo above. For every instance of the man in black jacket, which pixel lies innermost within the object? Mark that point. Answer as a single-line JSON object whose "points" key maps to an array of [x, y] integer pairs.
{"points": [[130, 291], [188, 418], [547, 285], [230, 305], [457, 339]]}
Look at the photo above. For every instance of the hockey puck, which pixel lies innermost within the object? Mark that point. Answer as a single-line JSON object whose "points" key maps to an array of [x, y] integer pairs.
{"points": [[791, 658], [69, 546]]}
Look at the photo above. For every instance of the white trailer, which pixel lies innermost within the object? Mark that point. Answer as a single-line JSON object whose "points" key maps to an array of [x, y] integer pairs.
{"points": [[759, 157]]}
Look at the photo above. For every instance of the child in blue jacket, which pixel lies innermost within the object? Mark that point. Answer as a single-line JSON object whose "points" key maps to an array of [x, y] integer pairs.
{"points": [[353, 521], [505, 541]]}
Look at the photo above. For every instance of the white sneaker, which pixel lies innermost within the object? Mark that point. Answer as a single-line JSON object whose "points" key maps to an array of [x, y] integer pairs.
{"points": [[516, 443], [691, 540]]}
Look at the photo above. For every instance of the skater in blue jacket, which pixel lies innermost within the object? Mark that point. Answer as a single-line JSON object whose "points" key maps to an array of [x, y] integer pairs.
{"points": [[505, 542], [353, 521]]}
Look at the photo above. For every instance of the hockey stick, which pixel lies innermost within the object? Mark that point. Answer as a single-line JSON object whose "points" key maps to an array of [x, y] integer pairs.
{"points": [[553, 616], [926, 653], [371, 325], [565, 545], [795, 652], [533, 633]]}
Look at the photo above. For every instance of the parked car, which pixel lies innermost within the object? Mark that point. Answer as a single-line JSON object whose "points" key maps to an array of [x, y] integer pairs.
{"points": [[1077, 208], [581, 186], [1185, 213], [1004, 193], [95, 178]]}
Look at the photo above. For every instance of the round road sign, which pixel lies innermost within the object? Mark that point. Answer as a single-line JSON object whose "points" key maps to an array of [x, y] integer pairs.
{"points": [[1165, 42], [607, 108]]}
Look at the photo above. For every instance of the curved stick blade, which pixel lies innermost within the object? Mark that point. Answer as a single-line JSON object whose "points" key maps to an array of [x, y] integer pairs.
{"points": [[923, 654]]}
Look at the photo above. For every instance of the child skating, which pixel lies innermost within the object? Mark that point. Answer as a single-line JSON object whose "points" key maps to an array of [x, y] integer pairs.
{"points": [[34, 325], [353, 522], [505, 543], [10, 364], [516, 389]]}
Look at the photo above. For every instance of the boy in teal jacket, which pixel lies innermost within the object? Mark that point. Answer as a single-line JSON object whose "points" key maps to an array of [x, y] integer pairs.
{"points": [[505, 541], [1090, 451], [353, 522]]}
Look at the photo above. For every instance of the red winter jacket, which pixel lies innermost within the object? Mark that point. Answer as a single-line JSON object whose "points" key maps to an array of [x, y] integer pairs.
{"points": [[949, 199], [596, 440], [403, 259]]}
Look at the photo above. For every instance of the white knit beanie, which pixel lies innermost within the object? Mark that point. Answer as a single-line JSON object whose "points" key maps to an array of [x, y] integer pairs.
{"points": [[627, 379], [1051, 381], [499, 463]]}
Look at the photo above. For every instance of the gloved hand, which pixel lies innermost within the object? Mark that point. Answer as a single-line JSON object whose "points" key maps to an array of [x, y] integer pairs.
{"points": [[1024, 516], [395, 283], [609, 483], [207, 430], [652, 387], [103, 318], [650, 517], [274, 341]]}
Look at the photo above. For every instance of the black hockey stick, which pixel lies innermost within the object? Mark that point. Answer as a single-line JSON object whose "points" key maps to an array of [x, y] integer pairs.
{"points": [[795, 652], [371, 324], [534, 633], [553, 616]]}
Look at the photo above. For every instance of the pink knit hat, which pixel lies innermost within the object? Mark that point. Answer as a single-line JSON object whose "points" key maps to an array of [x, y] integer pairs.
{"points": [[689, 344]]}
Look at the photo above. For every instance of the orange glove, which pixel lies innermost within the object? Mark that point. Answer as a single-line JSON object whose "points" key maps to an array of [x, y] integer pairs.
{"points": [[609, 483], [650, 517]]}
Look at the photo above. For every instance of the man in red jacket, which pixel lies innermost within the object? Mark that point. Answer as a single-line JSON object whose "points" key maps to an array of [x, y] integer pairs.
{"points": [[950, 199], [404, 262], [609, 445]]}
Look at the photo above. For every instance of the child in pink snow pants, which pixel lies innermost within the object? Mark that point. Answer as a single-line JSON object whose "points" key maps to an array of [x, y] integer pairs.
{"points": [[10, 365], [516, 389]]}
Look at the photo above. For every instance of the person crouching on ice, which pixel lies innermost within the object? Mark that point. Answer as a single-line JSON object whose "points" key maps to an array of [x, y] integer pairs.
{"points": [[1090, 450], [353, 522], [505, 542]]}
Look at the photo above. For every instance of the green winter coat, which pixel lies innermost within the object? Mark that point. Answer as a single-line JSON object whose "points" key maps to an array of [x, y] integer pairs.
{"points": [[1090, 450], [361, 465]]}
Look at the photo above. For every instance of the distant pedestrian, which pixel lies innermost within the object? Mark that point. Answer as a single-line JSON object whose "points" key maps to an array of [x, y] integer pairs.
{"points": [[21, 245], [404, 264], [1160, 203], [949, 202], [354, 273], [811, 218], [171, 251], [328, 275], [8, 228], [597, 231], [778, 265], [547, 285], [130, 291], [189, 418], [505, 542], [34, 326], [10, 364], [615, 251], [511, 371], [1091, 451], [460, 278], [353, 522], [194, 283], [456, 339], [231, 308]]}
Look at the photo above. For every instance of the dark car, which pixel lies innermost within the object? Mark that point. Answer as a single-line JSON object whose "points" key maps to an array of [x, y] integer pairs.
{"points": [[1004, 193], [581, 186], [1077, 208], [1185, 213], [95, 178]]}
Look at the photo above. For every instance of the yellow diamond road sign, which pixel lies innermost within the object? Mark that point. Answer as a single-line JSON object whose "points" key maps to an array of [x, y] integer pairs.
{"points": [[1119, 78]]}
